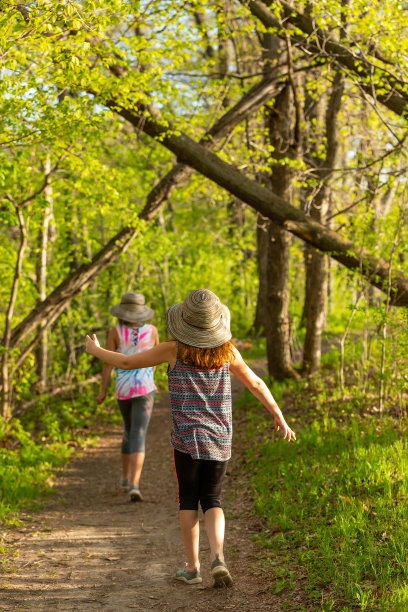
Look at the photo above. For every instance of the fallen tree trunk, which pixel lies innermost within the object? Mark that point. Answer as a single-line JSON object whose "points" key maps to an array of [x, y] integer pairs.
{"points": [[254, 99], [50, 308], [376, 271], [72, 285]]}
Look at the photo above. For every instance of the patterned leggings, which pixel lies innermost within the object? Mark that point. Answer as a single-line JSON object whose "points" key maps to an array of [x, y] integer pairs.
{"points": [[136, 413]]}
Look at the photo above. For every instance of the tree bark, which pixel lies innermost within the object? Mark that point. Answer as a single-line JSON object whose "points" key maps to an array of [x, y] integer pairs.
{"points": [[278, 341], [262, 241]]}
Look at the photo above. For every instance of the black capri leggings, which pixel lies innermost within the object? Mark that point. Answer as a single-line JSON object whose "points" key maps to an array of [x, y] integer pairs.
{"points": [[136, 413], [199, 480]]}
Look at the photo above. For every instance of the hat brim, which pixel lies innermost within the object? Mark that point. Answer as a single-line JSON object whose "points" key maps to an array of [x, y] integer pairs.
{"points": [[195, 336], [133, 317]]}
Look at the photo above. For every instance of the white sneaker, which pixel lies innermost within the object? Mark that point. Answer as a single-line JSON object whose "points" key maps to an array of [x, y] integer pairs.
{"points": [[135, 494]]}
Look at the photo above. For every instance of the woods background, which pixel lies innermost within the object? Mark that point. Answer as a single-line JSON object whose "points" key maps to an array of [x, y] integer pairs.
{"points": [[254, 148]]}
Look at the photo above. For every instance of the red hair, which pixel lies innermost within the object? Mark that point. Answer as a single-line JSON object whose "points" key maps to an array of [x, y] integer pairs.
{"points": [[208, 358]]}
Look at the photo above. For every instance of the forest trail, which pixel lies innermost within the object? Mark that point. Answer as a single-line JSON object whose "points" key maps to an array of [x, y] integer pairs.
{"points": [[91, 549]]}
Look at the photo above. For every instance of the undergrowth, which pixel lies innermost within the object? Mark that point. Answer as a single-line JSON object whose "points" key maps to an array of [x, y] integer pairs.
{"points": [[34, 446], [334, 503]]}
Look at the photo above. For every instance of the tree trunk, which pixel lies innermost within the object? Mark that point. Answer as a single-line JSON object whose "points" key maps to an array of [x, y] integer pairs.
{"points": [[41, 352], [278, 340], [317, 271], [262, 239], [5, 365], [278, 337], [316, 312], [307, 257]]}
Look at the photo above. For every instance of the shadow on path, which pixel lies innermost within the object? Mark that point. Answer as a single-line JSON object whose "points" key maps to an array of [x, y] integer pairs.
{"points": [[91, 549]]}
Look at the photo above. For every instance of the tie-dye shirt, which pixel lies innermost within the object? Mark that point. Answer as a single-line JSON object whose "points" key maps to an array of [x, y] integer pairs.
{"points": [[134, 383]]}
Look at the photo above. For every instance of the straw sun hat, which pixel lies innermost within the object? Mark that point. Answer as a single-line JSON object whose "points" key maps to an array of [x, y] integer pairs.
{"points": [[132, 308], [201, 320]]}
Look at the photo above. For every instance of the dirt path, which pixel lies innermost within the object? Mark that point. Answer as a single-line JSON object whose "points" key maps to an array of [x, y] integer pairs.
{"points": [[91, 549]]}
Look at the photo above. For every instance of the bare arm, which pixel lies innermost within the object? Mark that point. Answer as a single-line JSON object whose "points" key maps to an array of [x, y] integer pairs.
{"points": [[112, 345], [156, 340], [161, 353], [259, 389]]}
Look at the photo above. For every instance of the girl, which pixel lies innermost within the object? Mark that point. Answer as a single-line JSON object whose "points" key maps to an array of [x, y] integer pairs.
{"points": [[200, 358], [134, 388]]}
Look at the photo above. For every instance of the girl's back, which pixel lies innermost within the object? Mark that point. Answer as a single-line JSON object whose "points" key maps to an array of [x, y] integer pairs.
{"points": [[201, 410]]}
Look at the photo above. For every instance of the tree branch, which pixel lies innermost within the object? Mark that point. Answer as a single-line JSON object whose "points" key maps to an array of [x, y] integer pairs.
{"points": [[81, 278], [269, 204], [376, 81], [72, 285]]}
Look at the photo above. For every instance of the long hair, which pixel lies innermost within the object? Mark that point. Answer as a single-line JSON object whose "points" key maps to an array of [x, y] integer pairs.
{"points": [[208, 358], [128, 323]]}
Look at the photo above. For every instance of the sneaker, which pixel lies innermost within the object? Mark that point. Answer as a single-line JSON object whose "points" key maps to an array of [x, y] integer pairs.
{"points": [[193, 577], [220, 573], [135, 494], [124, 484]]}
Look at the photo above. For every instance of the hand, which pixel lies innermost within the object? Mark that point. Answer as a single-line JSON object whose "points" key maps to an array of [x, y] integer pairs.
{"points": [[101, 397], [91, 343], [280, 423]]}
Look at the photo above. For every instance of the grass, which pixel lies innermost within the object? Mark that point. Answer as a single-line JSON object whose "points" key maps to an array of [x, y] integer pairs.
{"points": [[335, 506], [26, 471]]}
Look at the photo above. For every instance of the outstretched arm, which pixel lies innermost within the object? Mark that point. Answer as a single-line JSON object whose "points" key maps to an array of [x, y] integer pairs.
{"points": [[111, 345], [161, 353], [258, 388], [156, 341]]}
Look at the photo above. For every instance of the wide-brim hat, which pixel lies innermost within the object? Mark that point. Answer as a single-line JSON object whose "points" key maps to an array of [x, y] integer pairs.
{"points": [[201, 320], [132, 308]]}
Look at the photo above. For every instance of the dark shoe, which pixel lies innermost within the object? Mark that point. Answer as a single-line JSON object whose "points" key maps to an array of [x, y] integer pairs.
{"points": [[220, 573], [135, 494], [124, 484], [193, 577]]}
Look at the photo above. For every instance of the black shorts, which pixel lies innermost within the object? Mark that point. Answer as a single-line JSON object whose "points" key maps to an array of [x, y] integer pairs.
{"points": [[199, 480]]}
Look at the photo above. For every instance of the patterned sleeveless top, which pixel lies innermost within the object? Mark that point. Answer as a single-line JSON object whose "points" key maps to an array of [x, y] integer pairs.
{"points": [[134, 383], [201, 411]]}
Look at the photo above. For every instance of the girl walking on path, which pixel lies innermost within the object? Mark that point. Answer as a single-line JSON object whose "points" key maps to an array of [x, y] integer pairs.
{"points": [[200, 358], [134, 387]]}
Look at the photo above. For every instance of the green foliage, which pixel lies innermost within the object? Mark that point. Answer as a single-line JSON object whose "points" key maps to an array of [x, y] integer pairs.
{"points": [[35, 447], [26, 469], [335, 506], [63, 64]]}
